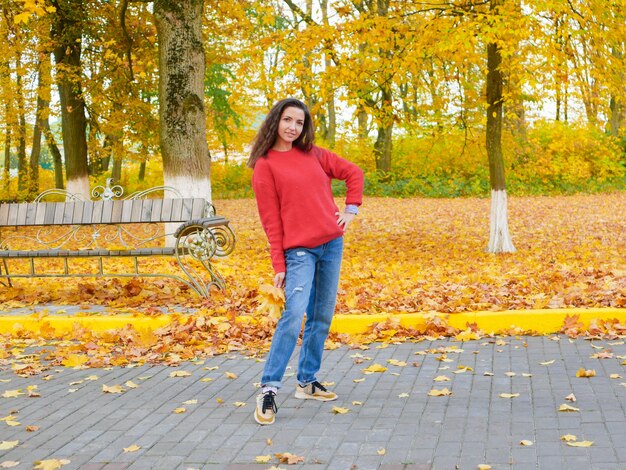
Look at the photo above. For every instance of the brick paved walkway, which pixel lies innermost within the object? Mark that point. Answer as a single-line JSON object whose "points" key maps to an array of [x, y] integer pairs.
{"points": [[472, 426]]}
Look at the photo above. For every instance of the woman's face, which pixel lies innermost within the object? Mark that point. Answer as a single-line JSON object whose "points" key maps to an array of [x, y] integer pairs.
{"points": [[290, 126]]}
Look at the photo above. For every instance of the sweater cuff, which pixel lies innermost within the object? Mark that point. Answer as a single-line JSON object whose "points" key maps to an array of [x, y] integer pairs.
{"points": [[352, 209]]}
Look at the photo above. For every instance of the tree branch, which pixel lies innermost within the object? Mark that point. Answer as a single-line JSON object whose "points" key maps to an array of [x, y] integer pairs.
{"points": [[127, 39]]}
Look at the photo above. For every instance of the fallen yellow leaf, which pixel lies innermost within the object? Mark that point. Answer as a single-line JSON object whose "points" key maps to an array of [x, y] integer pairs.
{"points": [[94, 377], [442, 378], [131, 384], [394, 362], [32, 428], [75, 360], [289, 459], [12, 393], [239, 403], [11, 422], [484, 466], [547, 363], [615, 376], [403, 395], [488, 374], [374, 368], [357, 403], [580, 444], [358, 380], [212, 368], [190, 402], [230, 375], [568, 437], [510, 374], [263, 458], [439, 393], [206, 379], [340, 411], [6, 445], [509, 395], [112, 389], [467, 335], [9, 464], [50, 464], [180, 373], [571, 397], [133, 448], [586, 373], [381, 451], [526, 443], [565, 407]]}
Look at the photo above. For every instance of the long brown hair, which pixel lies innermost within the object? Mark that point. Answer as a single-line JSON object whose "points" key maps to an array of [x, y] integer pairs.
{"points": [[266, 136]]}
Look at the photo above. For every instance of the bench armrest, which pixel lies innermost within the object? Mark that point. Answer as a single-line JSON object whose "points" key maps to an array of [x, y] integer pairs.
{"points": [[205, 237]]}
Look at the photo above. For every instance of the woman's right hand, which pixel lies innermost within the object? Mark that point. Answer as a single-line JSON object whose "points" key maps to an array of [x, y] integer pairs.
{"points": [[279, 280]]}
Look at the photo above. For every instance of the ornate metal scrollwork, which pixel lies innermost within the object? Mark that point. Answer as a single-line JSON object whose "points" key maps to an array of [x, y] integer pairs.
{"points": [[225, 239], [109, 192]]}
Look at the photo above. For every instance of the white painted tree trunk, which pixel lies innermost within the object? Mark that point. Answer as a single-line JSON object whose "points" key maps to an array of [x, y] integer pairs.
{"points": [[79, 186], [499, 237]]}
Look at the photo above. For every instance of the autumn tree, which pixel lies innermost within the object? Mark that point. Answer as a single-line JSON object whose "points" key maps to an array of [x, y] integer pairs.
{"points": [[186, 162], [67, 30]]}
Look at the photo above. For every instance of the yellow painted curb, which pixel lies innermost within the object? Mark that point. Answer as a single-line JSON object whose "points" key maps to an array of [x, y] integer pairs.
{"points": [[540, 321], [65, 323]]}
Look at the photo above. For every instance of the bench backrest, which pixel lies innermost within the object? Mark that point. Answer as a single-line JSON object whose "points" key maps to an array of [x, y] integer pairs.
{"points": [[102, 212]]}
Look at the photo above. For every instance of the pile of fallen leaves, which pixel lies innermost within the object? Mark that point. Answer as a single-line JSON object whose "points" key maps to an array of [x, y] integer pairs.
{"points": [[403, 255], [413, 255]]}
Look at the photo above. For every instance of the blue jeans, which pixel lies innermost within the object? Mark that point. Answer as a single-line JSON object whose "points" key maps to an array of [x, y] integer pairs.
{"points": [[311, 281]]}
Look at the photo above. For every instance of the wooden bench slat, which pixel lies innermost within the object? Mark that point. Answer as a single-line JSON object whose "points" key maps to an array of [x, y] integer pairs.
{"points": [[186, 209], [13, 208], [197, 210], [59, 209], [157, 208], [135, 212], [127, 211], [31, 211], [49, 213], [107, 212], [146, 210], [177, 208], [96, 214], [166, 210], [68, 212], [41, 213], [116, 211], [87, 213], [4, 214], [77, 213], [21, 214]]}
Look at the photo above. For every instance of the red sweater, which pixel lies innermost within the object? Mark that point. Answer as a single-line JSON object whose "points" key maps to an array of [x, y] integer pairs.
{"points": [[295, 200]]}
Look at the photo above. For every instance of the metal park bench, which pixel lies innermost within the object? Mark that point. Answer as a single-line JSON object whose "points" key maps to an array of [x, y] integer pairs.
{"points": [[135, 227]]}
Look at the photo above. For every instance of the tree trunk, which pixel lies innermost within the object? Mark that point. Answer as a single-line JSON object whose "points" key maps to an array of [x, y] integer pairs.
{"points": [[615, 118], [43, 102], [186, 161], [67, 33], [383, 144], [142, 171], [56, 155], [22, 165], [7, 149], [331, 130], [116, 171], [499, 239]]}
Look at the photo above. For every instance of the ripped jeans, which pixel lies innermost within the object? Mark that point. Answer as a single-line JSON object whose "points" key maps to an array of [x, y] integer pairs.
{"points": [[311, 281]]}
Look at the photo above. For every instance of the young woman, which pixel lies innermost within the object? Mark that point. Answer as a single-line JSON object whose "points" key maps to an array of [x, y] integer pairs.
{"points": [[291, 182]]}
